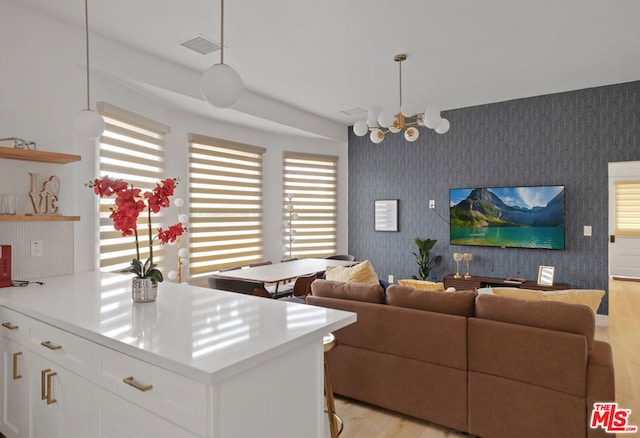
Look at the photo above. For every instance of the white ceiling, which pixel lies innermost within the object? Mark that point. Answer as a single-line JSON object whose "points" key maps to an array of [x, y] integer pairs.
{"points": [[326, 56]]}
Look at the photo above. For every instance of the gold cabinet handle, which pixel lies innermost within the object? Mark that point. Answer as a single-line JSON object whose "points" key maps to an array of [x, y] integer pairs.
{"points": [[49, 390], [9, 326], [42, 387], [16, 376], [139, 386], [50, 346]]}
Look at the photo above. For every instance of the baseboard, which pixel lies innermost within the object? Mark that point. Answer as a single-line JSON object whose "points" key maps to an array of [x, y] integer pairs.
{"points": [[626, 278], [602, 320]]}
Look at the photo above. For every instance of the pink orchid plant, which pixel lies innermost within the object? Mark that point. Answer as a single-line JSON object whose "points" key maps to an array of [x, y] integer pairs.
{"points": [[129, 203]]}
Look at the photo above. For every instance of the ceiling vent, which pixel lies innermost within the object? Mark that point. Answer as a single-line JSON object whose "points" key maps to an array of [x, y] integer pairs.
{"points": [[201, 44], [354, 111]]}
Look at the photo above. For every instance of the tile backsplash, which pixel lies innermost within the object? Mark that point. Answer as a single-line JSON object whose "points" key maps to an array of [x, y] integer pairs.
{"points": [[57, 248]]}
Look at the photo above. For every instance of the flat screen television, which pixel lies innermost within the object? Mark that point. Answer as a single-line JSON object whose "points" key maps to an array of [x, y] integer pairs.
{"points": [[509, 217]]}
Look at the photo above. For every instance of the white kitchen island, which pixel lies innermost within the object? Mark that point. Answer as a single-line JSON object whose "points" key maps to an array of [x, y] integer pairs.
{"points": [[81, 360]]}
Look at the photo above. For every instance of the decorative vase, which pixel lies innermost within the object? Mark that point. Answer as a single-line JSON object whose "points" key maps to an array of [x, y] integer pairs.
{"points": [[144, 290]]}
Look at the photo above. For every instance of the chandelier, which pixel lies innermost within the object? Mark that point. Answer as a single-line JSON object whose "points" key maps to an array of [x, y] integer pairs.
{"points": [[407, 119]]}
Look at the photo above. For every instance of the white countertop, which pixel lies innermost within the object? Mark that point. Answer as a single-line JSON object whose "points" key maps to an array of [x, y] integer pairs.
{"points": [[201, 333]]}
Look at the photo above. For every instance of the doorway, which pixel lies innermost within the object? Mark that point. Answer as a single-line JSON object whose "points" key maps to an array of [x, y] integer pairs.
{"points": [[624, 235]]}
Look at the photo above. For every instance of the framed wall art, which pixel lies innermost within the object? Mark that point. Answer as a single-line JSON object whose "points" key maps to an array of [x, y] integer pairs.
{"points": [[385, 215]]}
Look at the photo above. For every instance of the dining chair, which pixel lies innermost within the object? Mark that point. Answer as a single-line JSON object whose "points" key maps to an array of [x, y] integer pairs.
{"points": [[261, 292], [231, 268], [301, 288], [289, 259], [234, 285], [280, 289], [347, 257], [246, 287], [253, 265]]}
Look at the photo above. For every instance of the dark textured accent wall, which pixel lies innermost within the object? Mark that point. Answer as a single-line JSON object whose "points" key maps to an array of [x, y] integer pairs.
{"points": [[560, 139]]}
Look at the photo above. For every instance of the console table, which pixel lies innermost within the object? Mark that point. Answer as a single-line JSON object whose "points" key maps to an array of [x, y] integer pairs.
{"points": [[476, 282]]}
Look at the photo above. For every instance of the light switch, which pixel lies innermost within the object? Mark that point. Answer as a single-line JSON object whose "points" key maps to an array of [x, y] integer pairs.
{"points": [[587, 230]]}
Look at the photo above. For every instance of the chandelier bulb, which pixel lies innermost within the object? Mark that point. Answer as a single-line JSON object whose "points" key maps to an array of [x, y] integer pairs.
{"points": [[411, 134], [376, 136], [385, 119], [443, 127], [360, 128], [432, 117]]}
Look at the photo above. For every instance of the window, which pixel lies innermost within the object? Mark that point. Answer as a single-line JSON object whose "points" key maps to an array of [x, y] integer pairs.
{"points": [[225, 204], [131, 148], [627, 214], [309, 204]]}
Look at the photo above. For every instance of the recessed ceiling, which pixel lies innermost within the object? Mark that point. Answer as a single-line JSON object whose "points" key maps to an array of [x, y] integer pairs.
{"points": [[327, 56]]}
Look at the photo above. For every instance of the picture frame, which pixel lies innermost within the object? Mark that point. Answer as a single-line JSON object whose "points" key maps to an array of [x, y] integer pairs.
{"points": [[385, 215], [545, 275]]}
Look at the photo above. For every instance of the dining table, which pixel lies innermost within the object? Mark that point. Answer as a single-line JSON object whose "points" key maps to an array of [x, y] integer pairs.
{"points": [[283, 271]]}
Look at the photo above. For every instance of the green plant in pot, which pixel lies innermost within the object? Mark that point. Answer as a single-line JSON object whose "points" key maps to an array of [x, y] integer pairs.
{"points": [[423, 257]]}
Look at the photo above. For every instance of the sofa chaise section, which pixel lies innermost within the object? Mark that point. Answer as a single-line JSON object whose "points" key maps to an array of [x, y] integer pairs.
{"points": [[536, 367]]}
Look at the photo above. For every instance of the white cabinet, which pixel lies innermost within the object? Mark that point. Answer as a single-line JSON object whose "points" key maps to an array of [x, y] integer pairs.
{"points": [[60, 403], [58, 385], [15, 382], [40, 398], [118, 418]]}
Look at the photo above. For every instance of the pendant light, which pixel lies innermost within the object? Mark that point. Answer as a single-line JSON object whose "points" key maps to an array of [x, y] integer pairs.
{"points": [[88, 124], [221, 85], [378, 124]]}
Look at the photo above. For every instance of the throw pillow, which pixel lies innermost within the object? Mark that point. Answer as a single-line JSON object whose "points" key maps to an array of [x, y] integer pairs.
{"points": [[361, 273], [422, 285], [587, 297]]}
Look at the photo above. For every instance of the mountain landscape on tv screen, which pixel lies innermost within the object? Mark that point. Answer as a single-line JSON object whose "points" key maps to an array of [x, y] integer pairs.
{"points": [[483, 208], [485, 218]]}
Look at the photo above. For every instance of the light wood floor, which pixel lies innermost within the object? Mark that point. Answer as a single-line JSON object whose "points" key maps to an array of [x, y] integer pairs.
{"points": [[623, 333]]}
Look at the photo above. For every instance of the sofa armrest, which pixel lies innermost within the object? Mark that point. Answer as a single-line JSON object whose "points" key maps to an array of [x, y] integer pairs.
{"points": [[600, 382]]}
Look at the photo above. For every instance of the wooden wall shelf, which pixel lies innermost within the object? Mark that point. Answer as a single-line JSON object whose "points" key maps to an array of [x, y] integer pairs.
{"points": [[478, 282], [37, 156], [40, 218]]}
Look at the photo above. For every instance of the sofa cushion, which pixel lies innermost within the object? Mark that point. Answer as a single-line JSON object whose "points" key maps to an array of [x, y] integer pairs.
{"points": [[571, 318], [588, 297], [371, 293], [361, 273], [422, 285], [455, 303]]}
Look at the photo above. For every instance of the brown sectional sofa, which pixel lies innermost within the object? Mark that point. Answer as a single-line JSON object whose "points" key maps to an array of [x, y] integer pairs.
{"points": [[487, 365]]}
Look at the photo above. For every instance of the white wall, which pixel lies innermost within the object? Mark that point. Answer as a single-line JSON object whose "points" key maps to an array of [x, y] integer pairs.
{"points": [[42, 87]]}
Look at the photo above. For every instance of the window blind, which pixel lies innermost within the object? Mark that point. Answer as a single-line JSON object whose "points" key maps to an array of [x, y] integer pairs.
{"points": [[627, 208], [132, 149], [309, 204], [225, 204]]}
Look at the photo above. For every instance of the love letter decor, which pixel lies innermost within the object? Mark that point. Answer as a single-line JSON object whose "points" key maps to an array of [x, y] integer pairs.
{"points": [[45, 201]]}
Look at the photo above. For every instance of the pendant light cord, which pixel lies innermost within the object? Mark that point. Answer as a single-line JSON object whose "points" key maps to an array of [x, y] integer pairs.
{"points": [[86, 30], [400, 67], [221, 31]]}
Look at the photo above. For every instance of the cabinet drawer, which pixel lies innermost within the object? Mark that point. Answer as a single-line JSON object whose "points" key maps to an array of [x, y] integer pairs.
{"points": [[63, 348], [15, 326], [164, 393]]}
